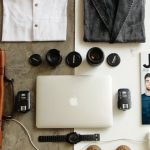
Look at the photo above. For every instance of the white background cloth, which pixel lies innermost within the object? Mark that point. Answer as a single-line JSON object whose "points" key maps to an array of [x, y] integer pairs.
{"points": [[34, 20], [127, 75]]}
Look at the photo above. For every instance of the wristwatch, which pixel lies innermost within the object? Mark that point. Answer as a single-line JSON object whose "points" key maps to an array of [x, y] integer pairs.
{"points": [[72, 138]]}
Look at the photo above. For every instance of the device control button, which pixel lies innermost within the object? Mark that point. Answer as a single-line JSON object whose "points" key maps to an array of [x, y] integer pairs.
{"points": [[73, 59], [23, 98], [113, 59], [93, 147], [125, 106], [123, 147], [23, 94], [35, 60], [23, 108]]}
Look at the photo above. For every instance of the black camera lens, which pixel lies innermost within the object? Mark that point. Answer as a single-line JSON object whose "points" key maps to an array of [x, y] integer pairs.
{"points": [[95, 56], [53, 57]]}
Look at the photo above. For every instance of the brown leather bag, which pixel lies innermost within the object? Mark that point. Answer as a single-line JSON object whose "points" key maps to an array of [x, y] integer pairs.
{"points": [[2, 66]]}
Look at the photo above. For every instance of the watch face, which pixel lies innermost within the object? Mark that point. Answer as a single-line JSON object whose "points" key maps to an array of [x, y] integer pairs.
{"points": [[73, 138]]}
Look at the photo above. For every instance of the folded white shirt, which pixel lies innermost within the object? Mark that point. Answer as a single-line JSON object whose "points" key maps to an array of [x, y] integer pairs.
{"points": [[34, 20]]}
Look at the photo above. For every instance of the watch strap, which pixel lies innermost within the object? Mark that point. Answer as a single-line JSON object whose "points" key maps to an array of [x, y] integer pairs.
{"points": [[92, 137], [57, 138]]}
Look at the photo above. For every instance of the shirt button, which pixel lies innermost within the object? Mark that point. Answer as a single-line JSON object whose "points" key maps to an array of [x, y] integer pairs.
{"points": [[36, 4], [36, 25]]}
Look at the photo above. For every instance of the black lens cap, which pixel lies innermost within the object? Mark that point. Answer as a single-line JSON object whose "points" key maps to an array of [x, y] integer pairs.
{"points": [[113, 59], [35, 60], [53, 57], [95, 56], [73, 59]]}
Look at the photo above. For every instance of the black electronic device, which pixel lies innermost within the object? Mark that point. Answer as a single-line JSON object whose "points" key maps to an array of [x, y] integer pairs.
{"points": [[72, 138], [124, 99], [95, 56], [35, 60], [73, 59], [53, 57], [23, 101]]}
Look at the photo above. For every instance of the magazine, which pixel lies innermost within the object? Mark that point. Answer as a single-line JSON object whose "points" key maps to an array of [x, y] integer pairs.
{"points": [[145, 87]]}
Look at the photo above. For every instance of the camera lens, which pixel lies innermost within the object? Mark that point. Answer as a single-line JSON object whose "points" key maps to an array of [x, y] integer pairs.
{"points": [[95, 56], [53, 57]]}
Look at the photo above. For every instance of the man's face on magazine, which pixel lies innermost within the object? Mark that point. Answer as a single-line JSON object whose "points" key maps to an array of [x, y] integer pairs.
{"points": [[147, 83]]}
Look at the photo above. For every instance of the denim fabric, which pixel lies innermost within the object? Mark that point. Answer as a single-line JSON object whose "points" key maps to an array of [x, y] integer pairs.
{"points": [[114, 21]]}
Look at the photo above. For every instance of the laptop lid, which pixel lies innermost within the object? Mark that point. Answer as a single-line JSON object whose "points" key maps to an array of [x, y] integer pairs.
{"points": [[74, 101]]}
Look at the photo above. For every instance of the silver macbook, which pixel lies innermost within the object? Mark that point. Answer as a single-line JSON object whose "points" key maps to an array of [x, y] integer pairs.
{"points": [[74, 101]]}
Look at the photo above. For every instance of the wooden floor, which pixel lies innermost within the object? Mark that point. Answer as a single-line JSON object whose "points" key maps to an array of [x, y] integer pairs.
{"points": [[24, 76]]}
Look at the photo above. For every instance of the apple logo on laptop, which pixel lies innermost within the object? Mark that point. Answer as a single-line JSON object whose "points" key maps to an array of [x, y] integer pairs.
{"points": [[73, 101]]}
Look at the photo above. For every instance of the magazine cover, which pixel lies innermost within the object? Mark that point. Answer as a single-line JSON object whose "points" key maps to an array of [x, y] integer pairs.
{"points": [[145, 87]]}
